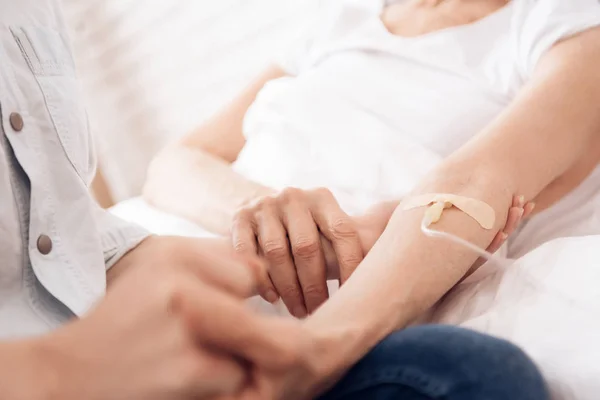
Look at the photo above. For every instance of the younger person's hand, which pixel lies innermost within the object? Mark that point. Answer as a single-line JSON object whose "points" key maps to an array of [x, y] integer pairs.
{"points": [[172, 332]]}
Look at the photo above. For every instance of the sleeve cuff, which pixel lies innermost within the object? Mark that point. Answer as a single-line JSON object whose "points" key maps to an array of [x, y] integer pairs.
{"points": [[118, 237]]}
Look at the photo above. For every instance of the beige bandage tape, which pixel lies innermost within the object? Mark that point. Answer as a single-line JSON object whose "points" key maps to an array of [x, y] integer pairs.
{"points": [[480, 211]]}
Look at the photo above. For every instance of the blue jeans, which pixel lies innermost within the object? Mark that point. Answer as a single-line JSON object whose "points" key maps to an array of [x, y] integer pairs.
{"points": [[442, 362]]}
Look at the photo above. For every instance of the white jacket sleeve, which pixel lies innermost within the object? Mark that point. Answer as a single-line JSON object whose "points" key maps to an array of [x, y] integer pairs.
{"points": [[117, 236]]}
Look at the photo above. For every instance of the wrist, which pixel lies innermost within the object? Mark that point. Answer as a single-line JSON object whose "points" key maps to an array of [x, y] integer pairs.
{"points": [[334, 347], [369, 230], [372, 224]]}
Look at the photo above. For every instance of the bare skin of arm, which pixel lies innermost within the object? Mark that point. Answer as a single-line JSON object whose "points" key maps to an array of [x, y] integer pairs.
{"points": [[406, 272], [193, 177]]}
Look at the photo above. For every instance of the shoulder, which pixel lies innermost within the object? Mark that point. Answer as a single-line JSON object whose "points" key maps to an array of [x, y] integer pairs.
{"points": [[541, 24], [547, 13]]}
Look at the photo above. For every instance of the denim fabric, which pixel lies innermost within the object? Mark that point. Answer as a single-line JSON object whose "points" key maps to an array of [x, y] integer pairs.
{"points": [[442, 362], [47, 162]]}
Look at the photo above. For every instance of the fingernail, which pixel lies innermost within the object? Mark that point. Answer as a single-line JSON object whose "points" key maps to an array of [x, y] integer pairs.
{"points": [[532, 206], [521, 200], [299, 312], [271, 296], [521, 212], [503, 236]]}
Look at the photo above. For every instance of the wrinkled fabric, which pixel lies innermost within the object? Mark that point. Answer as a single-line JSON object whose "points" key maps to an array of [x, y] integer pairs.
{"points": [[367, 113], [45, 172]]}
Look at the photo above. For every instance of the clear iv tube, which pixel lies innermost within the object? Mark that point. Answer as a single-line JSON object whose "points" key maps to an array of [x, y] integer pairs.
{"points": [[499, 261]]}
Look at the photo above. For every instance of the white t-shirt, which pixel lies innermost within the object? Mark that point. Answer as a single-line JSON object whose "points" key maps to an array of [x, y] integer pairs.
{"points": [[360, 100]]}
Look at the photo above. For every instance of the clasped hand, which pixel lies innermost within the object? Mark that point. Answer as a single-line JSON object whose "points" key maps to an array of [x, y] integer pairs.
{"points": [[174, 325], [307, 238]]}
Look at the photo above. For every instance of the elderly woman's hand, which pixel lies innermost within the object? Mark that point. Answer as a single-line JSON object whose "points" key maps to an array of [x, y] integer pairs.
{"points": [[287, 229], [307, 239], [519, 211]]}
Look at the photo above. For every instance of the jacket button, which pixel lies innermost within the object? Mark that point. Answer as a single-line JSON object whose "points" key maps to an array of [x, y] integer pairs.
{"points": [[16, 121], [44, 244]]}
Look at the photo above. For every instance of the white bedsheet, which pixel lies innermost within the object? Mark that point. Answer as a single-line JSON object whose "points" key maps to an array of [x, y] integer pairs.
{"points": [[548, 303]]}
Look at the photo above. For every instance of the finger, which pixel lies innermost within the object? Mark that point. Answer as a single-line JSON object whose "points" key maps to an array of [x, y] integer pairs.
{"points": [[266, 288], [214, 261], [339, 229], [515, 201], [272, 238], [515, 215], [222, 322], [254, 262], [518, 201], [243, 237], [512, 222], [308, 256], [497, 243], [529, 207]]}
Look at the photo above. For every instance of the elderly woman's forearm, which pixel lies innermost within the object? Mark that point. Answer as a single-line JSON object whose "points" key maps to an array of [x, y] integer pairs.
{"points": [[198, 186], [407, 272]]}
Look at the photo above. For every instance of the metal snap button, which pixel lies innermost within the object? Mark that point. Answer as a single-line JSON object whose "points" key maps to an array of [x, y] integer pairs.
{"points": [[16, 121], [44, 244]]}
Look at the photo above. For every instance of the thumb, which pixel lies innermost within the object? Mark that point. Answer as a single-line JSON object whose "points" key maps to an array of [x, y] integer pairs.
{"points": [[214, 261], [227, 324]]}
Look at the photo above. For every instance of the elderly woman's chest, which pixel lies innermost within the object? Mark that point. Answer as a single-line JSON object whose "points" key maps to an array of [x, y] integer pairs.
{"points": [[417, 18], [440, 102]]}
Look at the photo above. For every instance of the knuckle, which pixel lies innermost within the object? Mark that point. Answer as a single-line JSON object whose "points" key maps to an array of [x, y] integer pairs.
{"points": [[306, 247], [240, 246], [174, 293], [266, 203], [275, 251], [290, 293], [290, 193], [342, 228], [263, 284], [254, 206], [241, 215], [351, 261], [314, 290], [170, 291], [323, 192]]}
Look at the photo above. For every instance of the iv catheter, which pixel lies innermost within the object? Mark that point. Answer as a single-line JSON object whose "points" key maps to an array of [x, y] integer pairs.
{"points": [[480, 211]]}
